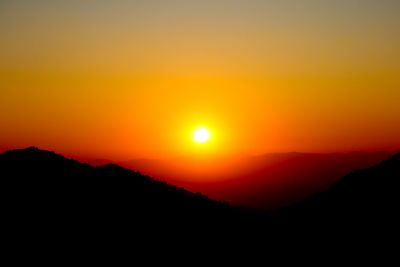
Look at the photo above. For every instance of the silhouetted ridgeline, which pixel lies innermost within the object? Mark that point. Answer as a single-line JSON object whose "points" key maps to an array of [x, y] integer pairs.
{"points": [[43, 183], [366, 199], [265, 182], [45, 192]]}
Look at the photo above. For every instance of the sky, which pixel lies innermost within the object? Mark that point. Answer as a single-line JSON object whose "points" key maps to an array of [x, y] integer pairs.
{"points": [[133, 79]]}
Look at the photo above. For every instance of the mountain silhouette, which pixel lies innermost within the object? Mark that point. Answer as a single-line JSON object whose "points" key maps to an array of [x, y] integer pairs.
{"points": [[364, 200], [46, 193], [265, 182]]}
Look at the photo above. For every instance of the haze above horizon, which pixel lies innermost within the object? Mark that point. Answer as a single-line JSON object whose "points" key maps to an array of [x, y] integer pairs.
{"points": [[135, 79]]}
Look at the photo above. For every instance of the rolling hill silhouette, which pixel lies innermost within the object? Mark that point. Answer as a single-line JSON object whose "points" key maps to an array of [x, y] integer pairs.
{"points": [[366, 201], [45, 193], [51, 193], [265, 182]]}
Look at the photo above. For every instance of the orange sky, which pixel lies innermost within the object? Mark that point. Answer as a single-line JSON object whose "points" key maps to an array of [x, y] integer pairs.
{"points": [[134, 79]]}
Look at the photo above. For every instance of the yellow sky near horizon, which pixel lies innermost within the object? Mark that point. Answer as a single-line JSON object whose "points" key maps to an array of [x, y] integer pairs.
{"points": [[124, 79]]}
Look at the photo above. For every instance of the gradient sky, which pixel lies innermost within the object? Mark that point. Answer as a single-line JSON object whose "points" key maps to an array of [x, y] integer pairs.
{"points": [[126, 79]]}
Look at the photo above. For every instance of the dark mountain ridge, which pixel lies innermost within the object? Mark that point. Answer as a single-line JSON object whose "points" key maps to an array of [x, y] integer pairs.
{"points": [[264, 182], [365, 198], [46, 191], [43, 186]]}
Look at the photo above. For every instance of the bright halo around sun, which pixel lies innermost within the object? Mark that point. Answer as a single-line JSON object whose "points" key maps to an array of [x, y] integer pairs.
{"points": [[201, 135]]}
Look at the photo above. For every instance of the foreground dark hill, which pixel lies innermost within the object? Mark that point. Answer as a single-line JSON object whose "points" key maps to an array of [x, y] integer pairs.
{"points": [[264, 182], [43, 186], [45, 192], [365, 198]]}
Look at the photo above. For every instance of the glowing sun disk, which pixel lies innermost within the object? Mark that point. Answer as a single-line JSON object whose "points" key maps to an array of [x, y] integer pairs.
{"points": [[201, 135]]}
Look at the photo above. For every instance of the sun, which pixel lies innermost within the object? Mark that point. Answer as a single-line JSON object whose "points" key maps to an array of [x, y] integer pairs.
{"points": [[201, 135]]}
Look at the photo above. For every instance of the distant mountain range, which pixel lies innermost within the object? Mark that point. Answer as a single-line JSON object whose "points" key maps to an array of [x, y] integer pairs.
{"points": [[264, 182], [363, 197], [46, 191]]}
